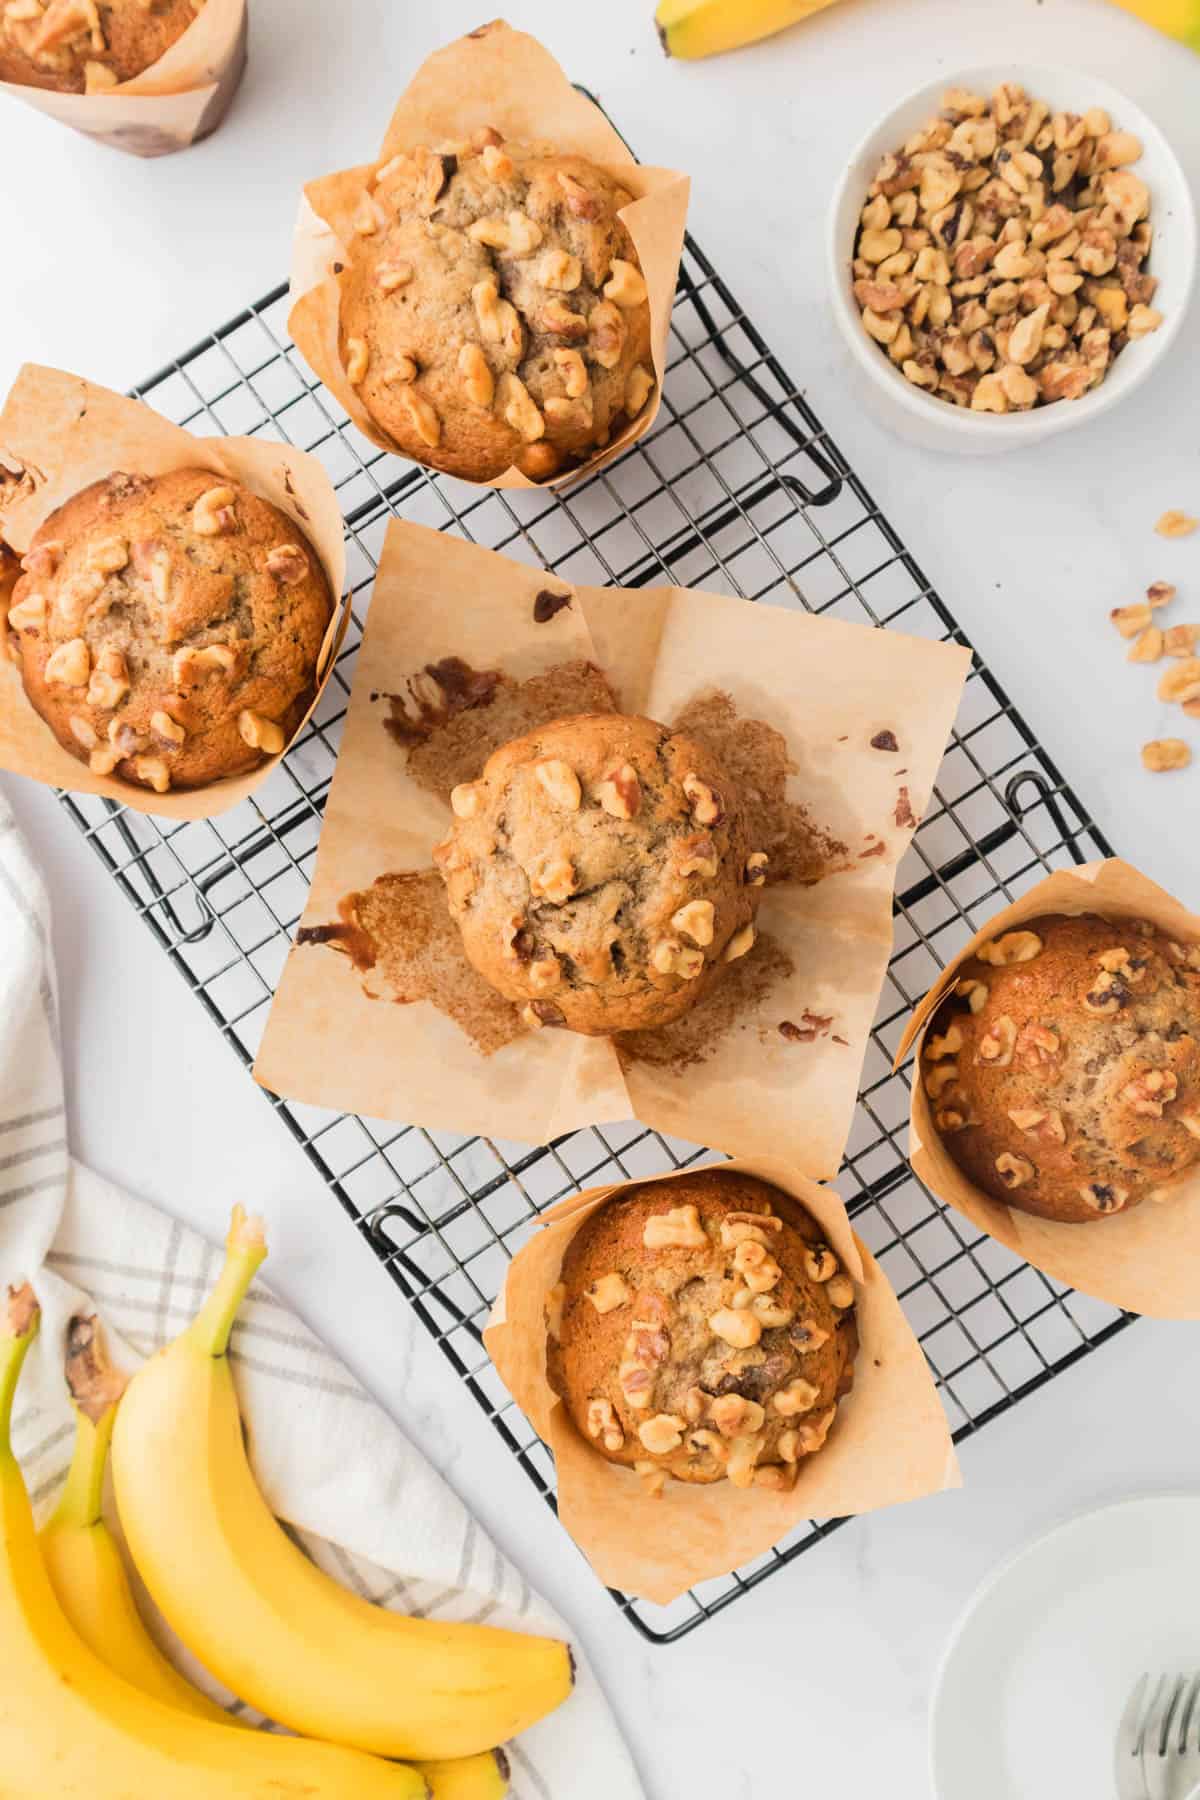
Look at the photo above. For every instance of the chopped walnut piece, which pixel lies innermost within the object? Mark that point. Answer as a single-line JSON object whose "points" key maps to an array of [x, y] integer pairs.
{"points": [[799, 1396], [602, 1423], [287, 564], [1164, 754], [995, 1047], [153, 771], [1181, 640], [1148, 646], [758, 1270], [1012, 947], [609, 1292], [164, 726], [516, 235], [109, 556], [735, 1416], [214, 513], [755, 872], [358, 361], [516, 407], [679, 1229], [706, 804], [1150, 1091], [948, 1044], [1182, 683], [740, 943], [975, 993], [260, 733], [670, 957], [422, 417], [1130, 620], [638, 389], [739, 1227], [699, 856], [1038, 1122], [941, 1076], [553, 878], [560, 784], [840, 1289], [948, 1119], [1103, 1197], [619, 794], [30, 612], [661, 1434], [625, 285], [545, 973], [738, 1328], [1015, 1171], [465, 799], [478, 380], [69, 665], [653, 1479], [83, 733], [820, 1264], [771, 1313], [559, 269], [1176, 525], [695, 920]]}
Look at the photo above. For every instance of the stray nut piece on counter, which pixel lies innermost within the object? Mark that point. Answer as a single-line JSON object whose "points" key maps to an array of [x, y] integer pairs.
{"points": [[1162, 754], [999, 261]]}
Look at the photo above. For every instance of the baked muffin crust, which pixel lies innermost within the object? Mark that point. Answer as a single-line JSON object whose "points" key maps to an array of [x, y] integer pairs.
{"points": [[493, 311], [1063, 1071], [87, 46], [599, 872], [704, 1331], [168, 627]]}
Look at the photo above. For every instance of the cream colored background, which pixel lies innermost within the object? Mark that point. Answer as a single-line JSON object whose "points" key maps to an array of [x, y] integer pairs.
{"points": [[1031, 554]]}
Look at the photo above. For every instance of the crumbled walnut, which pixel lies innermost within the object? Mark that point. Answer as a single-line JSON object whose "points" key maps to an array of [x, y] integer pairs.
{"points": [[755, 871], [164, 726], [1181, 640], [153, 771], [1012, 947], [625, 285], [661, 1434], [69, 665], [740, 943], [738, 1228], [699, 856], [515, 404], [652, 1479], [422, 417], [941, 1076], [771, 1313], [1040, 1122], [1150, 1091], [1182, 683], [1147, 646], [602, 1423], [104, 759], [552, 878], [478, 382], [735, 1416], [109, 556], [214, 513], [948, 1044], [465, 800], [30, 612], [1176, 525], [840, 1289], [638, 389], [1103, 1197], [670, 957], [82, 732], [820, 1264], [706, 804], [516, 235], [287, 564], [606, 334], [555, 1301], [608, 1292], [788, 1446], [545, 973], [1131, 620], [560, 784], [1163, 754], [743, 1456], [975, 993], [695, 920], [559, 269], [389, 276], [619, 793], [498, 320], [995, 1047], [260, 733], [707, 1443], [799, 1396], [948, 1119], [1038, 1046], [737, 1327], [1190, 1123], [358, 361], [679, 1229], [758, 1270]]}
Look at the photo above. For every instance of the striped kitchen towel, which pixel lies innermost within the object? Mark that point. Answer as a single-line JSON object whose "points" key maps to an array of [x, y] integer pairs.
{"points": [[363, 1501]]}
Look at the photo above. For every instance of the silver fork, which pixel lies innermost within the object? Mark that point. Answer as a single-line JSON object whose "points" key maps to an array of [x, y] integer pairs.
{"points": [[1158, 1740]]}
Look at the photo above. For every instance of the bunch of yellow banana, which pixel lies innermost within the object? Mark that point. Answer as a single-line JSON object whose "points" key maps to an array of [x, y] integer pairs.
{"points": [[89, 1705], [693, 28]]}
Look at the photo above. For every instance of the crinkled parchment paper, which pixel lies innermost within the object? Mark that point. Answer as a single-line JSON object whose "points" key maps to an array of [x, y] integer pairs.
{"points": [[864, 716], [500, 77], [64, 433], [1147, 1260], [890, 1442]]}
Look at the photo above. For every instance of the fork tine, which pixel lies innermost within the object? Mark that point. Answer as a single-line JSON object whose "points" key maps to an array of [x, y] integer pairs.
{"points": [[1158, 1726], [1187, 1712], [1144, 1734], [1131, 1779]]}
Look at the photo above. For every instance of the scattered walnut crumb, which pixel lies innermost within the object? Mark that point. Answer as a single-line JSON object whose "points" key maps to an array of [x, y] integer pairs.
{"points": [[1163, 754], [1176, 525]]}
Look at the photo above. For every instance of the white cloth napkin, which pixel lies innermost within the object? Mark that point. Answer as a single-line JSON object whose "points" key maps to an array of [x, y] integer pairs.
{"points": [[366, 1504]]}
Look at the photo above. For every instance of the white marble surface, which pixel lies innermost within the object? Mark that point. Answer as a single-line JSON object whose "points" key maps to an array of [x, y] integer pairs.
{"points": [[111, 265]]}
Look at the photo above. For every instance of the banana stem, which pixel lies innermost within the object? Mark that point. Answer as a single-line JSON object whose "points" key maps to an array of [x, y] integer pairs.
{"points": [[245, 1252], [18, 1328], [81, 1501]]}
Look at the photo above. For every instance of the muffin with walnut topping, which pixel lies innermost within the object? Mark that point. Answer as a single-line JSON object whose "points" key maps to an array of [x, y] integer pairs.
{"points": [[600, 873], [87, 46], [168, 627], [1063, 1069], [704, 1331], [493, 309]]}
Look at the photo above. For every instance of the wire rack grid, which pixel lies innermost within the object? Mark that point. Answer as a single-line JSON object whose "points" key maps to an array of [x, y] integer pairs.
{"points": [[736, 488]]}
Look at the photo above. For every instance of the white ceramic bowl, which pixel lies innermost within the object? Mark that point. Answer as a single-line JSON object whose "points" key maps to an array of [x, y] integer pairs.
{"points": [[935, 423]]}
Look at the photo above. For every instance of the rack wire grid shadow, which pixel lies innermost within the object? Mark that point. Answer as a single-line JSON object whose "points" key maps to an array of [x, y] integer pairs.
{"points": [[736, 488]]}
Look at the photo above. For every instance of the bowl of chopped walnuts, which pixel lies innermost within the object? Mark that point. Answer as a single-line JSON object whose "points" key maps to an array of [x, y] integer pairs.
{"points": [[1011, 252]]}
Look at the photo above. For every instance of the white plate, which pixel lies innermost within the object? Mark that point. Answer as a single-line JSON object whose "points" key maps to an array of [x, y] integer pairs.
{"points": [[1038, 1669]]}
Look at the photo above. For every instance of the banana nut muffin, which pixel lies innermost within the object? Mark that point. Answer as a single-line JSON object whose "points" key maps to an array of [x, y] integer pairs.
{"points": [[87, 46], [703, 1329], [599, 872], [168, 627], [1064, 1068], [493, 310]]}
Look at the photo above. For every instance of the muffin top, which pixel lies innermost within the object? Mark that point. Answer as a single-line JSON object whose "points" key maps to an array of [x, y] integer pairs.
{"points": [[1064, 1068], [87, 46], [702, 1329], [599, 872], [168, 627], [493, 310]]}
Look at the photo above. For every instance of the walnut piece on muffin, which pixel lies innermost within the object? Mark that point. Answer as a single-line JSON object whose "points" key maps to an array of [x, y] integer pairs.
{"points": [[87, 46], [702, 1329], [168, 627], [600, 874], [1063, 1069], [493, 309]]}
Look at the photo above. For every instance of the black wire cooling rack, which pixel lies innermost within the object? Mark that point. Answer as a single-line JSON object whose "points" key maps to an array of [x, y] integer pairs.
{"points": [[736, 488]]}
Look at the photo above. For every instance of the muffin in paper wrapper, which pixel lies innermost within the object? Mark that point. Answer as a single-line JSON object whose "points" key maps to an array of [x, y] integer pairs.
{"points": [[174, 102], [1146, 1260], [58, 434], [503, 78], [890, 1441]]}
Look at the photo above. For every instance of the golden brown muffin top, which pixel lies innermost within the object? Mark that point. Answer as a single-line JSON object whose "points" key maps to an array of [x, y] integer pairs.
{"points": [[1064, 1068], [87, 46], [169, 627], [493, 310], [703, 1329], [599, 872]]}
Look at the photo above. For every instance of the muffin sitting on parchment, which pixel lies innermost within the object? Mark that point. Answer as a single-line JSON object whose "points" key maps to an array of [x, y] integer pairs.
{"points": [[493, 310], [599, 873], [85, 47], [168, 627], [1064, 1068], [702, 1329]]}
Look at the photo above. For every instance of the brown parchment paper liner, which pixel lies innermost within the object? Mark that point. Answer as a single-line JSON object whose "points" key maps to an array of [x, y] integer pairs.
{"points": [[890, 1443], [66, 433], [1147, 1260], [501, 77], [825, 685], [176, 101]]}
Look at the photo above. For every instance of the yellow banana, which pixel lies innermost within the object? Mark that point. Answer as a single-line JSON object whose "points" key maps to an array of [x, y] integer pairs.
{"points": [[1178, 18], [693, 28], [470, 1778], [262, 1617], [72, 1730], [81, 1557]]}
